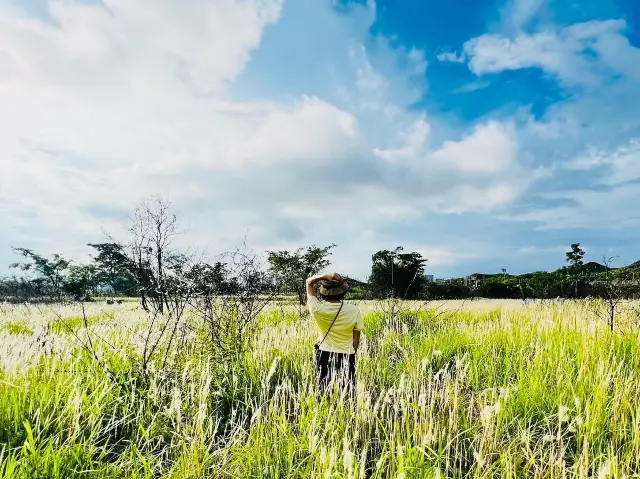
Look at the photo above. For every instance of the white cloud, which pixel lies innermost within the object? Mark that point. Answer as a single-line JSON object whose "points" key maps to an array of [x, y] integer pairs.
{"points": [[622, 164], [607, 201], [490, 149], [94, 110], [612, 205], [466, 198], [519, 13], [473, 86], [371, 85], [594, 210], [597, 58], [206, 44], [481, 172], [416, 57], [415, 141], [312, 131], [452, 57], [579, 54]]}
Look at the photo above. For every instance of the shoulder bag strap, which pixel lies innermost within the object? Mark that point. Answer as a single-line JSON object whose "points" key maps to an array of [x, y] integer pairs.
{"points": [[334, 320]]}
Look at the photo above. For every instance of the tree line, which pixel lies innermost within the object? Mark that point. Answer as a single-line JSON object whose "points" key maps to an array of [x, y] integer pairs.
{"points": [[148, 266]]}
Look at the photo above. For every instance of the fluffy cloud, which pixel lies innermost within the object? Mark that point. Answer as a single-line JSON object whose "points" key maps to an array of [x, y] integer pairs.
{"points": [[518, 14], [414, 141], [480, 172], [598, 70], [590, 209], [452, 57], [580, 54], [122, 43], [620, 165], [607, 201], [489, 150], [313, 132]]}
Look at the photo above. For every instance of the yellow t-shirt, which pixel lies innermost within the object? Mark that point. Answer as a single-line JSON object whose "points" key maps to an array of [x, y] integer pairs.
{"points": [[340, 338]]}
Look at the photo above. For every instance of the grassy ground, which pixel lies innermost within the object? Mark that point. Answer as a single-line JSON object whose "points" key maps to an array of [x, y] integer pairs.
{"points": [[482, 389]]}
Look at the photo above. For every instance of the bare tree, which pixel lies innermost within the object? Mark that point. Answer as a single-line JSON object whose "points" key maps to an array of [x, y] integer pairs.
{"points": [[165, 284], [614, 286], [152, 231]]}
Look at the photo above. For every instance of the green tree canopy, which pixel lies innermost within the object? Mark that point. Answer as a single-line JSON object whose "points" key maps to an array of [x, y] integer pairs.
{"points": [[291, 269], [51, 271], [397, 274], [115, 268], [575, 271], [575, 257]]}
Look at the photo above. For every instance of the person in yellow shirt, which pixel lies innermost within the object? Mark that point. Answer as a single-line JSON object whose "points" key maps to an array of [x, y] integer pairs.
{"points": [[339, 327]]}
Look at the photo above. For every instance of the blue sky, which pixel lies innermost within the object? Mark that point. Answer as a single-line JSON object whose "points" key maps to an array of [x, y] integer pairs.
{"points": [[484, 134]]}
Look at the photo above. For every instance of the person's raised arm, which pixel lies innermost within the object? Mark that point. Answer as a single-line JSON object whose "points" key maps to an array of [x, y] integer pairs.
{"points": [[313, 280]]}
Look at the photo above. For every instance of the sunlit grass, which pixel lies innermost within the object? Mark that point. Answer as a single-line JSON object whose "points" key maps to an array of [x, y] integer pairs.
{"points": [[476, 389], [17, 327]]}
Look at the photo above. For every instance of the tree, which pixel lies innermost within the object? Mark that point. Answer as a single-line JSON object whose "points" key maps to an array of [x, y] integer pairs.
{"points": [[575, 270], [115, 268], [613, 286], [21, 289], [82, 281], [210, 280], [290, 270], [150, 266], [499, 287], [397, 274], [542, 284], [152, 231], [454, 289], [144, 265], [575, 256], [51, 271]]}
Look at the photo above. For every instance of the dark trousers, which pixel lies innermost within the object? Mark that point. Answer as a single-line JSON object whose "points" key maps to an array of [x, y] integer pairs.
{"points": [[336, 368]]}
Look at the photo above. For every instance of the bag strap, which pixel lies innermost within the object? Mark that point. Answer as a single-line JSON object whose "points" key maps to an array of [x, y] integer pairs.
{"points": [[334, 320]]}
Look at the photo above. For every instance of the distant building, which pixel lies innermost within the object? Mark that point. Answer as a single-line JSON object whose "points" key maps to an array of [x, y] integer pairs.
{"points": [[428, 277]]}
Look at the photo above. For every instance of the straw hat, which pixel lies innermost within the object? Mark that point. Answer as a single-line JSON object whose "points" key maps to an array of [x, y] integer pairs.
{"points": [[333, 288]]}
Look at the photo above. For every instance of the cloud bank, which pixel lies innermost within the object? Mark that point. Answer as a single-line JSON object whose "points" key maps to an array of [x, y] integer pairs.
{"points": [[106, 103]]}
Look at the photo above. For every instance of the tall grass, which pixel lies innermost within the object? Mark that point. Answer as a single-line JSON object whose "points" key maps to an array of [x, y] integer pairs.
{"points": [[490, 390]]}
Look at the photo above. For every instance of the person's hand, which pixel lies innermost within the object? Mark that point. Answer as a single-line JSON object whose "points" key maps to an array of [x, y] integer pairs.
{"points": [[334, 277]]}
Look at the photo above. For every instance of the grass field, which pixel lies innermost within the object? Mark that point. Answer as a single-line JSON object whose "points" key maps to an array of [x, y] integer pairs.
{"points": [[478, 389]]}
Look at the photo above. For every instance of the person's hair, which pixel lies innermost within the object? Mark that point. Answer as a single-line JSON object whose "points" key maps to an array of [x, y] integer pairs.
{"points": [[333, 297]]}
